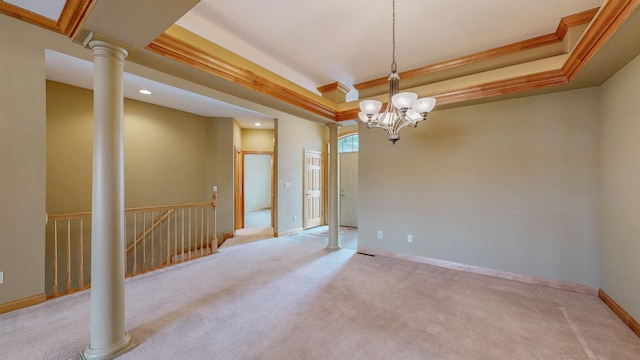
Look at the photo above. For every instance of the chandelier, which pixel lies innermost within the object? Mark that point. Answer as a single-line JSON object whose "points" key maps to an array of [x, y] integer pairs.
{"points": [[403, 108]]}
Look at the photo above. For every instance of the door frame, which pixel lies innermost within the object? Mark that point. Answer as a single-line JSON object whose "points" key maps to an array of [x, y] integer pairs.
{"points": [[238, 197], [325, 168]]}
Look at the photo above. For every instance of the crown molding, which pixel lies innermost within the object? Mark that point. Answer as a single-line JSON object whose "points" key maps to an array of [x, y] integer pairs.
{"points": [[73, 15], [608, 19], [603, 24], [334, 86], [252, 77], [28, 16], [499, 87], [574, 20], [539, 41], [181, 45], [71, 19]]}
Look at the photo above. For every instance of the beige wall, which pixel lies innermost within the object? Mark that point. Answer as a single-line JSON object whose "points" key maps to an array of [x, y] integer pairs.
{"points": [[164, 152], [237, 135], [509, 186], [620, 188], [293, 135], [258, 139], [219, 165], [22, 160]]}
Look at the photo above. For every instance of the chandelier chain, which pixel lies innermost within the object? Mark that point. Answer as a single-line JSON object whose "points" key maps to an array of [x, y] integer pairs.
{"points": [[394, 67]]}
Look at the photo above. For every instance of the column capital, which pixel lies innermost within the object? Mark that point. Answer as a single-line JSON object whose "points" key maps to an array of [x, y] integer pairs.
{"points": [[334, 126], [101, 47]]}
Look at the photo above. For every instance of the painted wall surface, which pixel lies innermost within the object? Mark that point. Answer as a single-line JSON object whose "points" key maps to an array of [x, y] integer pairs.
{"points": [[237, 135], [219, 167], [164, 155], [22, 159], [293, 136], [620, 189], [508, 185], [257, 182], [258, 140]]}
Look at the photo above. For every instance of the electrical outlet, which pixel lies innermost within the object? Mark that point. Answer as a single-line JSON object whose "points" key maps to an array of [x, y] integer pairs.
{"points": [[1, 277], [410, 238], [379, 234]]}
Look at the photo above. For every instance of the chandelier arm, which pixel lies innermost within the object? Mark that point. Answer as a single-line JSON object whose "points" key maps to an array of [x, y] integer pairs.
{"points": [[381, 126], [404, 123], [400, 119]]}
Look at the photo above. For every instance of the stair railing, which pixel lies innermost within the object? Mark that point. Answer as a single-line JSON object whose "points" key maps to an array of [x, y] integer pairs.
{"points": [[155, 237]]}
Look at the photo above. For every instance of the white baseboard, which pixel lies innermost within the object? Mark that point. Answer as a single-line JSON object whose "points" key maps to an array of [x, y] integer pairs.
{"points": [[582, 289]]}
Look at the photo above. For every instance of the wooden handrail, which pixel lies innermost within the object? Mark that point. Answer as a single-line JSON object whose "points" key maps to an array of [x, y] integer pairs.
{"points": [[78, 215], [148, 231]]}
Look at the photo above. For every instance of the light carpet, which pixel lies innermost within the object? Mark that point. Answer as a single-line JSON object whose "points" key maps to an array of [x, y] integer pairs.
{"points": [[287, 299]]}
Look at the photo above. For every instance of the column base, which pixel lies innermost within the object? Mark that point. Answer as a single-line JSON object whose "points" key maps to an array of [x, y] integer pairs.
{"points": [[331, 249], [125, 344]]}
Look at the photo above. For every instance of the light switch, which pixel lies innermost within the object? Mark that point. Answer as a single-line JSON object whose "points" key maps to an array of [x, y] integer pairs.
{"points": [[287, 185]]}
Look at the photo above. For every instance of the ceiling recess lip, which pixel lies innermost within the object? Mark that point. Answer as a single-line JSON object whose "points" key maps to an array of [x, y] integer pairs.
{"points": [[565, 23], [69, 22], [606, 20], [49, 9], [611, 15]]}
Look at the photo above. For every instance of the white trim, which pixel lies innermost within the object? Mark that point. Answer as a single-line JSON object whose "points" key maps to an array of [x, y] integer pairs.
{"points": [[582, 289]]}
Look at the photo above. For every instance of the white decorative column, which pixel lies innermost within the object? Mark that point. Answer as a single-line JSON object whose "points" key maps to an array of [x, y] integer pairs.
{"points": [[108, 337], [334, 196]]}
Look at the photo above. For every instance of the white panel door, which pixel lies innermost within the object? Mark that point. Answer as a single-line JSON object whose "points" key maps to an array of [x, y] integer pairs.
{"points": [[349, 189], [312, 189]]}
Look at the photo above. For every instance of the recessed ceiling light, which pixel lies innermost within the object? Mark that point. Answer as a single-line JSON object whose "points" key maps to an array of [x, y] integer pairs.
{"points": [[145, 92], [258, 124]]}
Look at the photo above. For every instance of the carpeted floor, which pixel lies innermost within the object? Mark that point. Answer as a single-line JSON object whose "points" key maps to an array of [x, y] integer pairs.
{"points": [[288, 299], [348, 236]]}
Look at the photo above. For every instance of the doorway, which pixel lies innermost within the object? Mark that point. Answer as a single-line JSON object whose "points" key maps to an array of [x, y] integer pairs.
{"points": [[257, 189], [349, 189], [348, 173]]}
